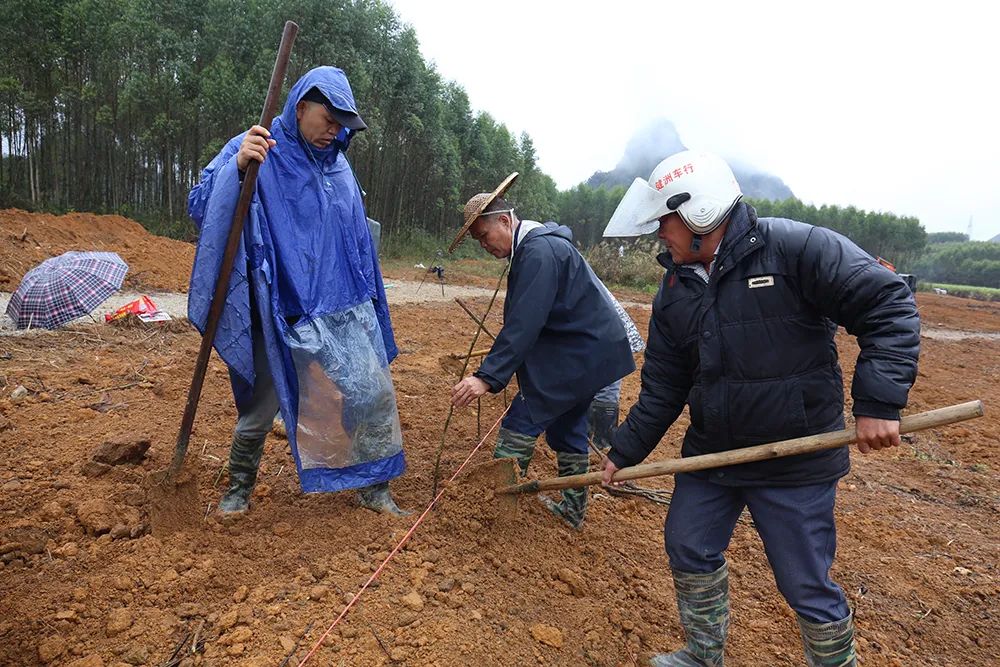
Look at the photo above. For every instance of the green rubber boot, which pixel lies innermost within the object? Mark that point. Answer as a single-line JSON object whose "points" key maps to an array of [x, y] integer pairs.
{"points": [[378, 498], [602, 419], [703, 603], [513, 445], [244, 460], [573, 507], [829, 644]]}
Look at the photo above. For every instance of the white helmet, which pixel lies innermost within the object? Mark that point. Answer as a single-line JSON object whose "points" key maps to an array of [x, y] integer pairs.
{"points": [[699, 186]]}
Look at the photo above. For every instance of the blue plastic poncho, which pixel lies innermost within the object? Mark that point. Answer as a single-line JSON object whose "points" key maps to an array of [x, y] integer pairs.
{"points": [[307, 279]]}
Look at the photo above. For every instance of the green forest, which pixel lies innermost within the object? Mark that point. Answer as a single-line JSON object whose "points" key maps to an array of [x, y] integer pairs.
{"points": [[115, 106]]}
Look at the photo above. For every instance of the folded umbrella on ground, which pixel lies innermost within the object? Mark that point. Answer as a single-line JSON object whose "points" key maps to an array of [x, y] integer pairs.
{"points": [[66, 287]]}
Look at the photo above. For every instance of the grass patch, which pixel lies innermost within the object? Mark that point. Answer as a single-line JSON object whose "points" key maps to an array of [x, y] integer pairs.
{"points": [[422, 246], [967, 291], [637, 269]]}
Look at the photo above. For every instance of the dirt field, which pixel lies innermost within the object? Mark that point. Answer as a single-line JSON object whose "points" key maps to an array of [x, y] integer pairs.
{"points": [[84, 582]]}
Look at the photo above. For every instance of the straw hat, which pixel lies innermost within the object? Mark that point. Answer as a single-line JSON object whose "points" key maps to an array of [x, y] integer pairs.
{"points": [[477, 204]]}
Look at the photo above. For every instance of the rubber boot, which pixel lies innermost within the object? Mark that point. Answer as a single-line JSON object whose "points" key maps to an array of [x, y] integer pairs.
{"points": [[573, 507], [703, 603], [602, 418], [244, 460], [378, 498], [513, 445], [829, 644]]}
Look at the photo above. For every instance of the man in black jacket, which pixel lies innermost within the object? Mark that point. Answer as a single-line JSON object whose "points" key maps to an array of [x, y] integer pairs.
{"points": [[561, 336], [742, 331]]}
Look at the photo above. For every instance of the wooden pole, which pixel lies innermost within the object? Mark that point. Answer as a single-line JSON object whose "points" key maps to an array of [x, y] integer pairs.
{"points": [[232, 245], [451, 408], [804, 445], [475, 318]]}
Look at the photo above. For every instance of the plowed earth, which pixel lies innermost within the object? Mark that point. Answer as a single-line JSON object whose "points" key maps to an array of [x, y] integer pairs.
{"points": [[85, 581]]}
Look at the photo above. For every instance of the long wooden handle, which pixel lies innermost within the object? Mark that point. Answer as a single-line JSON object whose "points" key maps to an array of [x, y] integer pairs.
{"points": [[458, 356], [809, 443], [232, 245], [475, 318]]}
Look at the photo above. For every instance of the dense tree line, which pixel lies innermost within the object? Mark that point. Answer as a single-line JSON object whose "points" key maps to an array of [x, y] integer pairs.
{"points": [[901, 240], [586, 210], [946, 237], [117, 105], [969, 263]]}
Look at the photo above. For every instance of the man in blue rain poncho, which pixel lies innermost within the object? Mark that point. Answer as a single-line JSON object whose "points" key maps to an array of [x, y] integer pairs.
{"points": [[305, 330]]}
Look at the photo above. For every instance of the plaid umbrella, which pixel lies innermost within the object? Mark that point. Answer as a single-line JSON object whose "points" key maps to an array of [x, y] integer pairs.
{"points": [[66, 287]]}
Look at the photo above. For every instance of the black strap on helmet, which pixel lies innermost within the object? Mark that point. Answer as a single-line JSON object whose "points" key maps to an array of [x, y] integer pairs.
{"points": [[675, 201]]}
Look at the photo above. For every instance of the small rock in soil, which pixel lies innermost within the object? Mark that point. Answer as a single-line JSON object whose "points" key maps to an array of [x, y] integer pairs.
{"points": [[228, 619], [413, 601], [94, 469], [573, 580], [119, 620], [97, 516], [189, 609], [52, 511], [117, 452], [51, 648], [88, 661], [240, 635], [137, 656], [548, 635]]}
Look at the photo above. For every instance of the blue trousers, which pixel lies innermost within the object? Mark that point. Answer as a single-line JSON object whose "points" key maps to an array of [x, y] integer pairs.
{"points": [[610, 394], [795, 523], [566, 433]]}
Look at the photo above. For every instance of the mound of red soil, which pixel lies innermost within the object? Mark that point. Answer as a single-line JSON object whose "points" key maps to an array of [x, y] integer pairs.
{"points": [[27, 239]]}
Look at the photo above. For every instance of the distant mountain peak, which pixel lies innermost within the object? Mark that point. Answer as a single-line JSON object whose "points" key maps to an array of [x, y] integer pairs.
{"points": [[659, 140]]}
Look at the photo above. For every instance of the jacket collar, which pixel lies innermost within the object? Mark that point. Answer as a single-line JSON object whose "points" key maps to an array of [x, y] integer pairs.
{"points": [[523, 228], [741, 239]]}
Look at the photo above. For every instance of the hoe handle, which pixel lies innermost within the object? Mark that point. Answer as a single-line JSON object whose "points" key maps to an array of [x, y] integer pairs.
{"points": [[809, 443]]}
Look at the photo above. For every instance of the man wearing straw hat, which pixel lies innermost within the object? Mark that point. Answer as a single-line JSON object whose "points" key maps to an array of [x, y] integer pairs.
{"points": [[561, 337]]}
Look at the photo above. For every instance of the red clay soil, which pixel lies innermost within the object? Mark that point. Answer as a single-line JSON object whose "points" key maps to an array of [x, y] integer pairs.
{"points": [[27, 239], [952, 312], [85, 582]]}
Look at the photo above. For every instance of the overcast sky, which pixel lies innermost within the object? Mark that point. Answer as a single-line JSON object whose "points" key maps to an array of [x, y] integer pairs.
{"points": [[881, 105]]}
